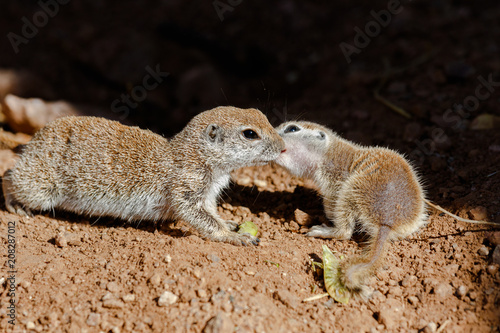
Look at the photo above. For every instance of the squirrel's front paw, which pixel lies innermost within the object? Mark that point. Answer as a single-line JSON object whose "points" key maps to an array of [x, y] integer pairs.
{"points": [[232, 225], [243, 239]]}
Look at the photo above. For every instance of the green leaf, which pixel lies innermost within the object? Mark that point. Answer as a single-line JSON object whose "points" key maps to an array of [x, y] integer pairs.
{"points": [[331, 272], [248, 227]]}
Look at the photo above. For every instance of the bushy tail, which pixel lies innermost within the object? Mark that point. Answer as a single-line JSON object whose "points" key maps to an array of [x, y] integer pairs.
{"points": [[355, 271]]}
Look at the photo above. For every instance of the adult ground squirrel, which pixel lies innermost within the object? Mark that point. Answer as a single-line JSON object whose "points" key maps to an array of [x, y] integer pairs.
{"points": [[375, 189], [96, 166]]}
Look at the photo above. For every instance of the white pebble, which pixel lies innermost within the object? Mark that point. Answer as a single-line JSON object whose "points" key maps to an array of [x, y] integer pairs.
{"points": [[167, 298]]}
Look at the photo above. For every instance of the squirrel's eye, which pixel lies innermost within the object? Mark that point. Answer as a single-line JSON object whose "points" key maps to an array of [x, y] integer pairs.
{"points": [[250, 134], [291, 129]]}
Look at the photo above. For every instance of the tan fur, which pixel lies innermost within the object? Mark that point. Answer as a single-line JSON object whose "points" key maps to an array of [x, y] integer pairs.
{"points": [[100, 167], [373, 188]]}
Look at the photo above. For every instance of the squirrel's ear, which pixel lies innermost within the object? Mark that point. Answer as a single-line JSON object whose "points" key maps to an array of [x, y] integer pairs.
{"points": [[214, 133]]}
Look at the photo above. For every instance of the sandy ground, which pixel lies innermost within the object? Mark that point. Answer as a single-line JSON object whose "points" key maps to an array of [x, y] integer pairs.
{"points": [[81, 275]]}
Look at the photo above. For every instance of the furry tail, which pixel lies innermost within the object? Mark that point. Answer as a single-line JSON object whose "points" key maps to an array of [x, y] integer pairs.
{"points": [[356, 271]]}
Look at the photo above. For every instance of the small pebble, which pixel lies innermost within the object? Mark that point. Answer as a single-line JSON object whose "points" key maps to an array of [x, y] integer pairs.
{"points": [[197, 273], [495, 258], [221, 323], [167, 298], [113, 287], [431, 327], [386, 317], [213, 258], [461, 291], [113, 304], [413, 300], [93, 319], [244, 181], [483, 251], [30, 325], [302, 218], [493, 237], [202, 293], [128, 298], [260, 183], [479, 213], [60, 240], [443, 290], [492, 269], [167, 258], [155, 279]]}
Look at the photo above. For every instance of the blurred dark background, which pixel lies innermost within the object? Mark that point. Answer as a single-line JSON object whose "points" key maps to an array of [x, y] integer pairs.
{"points": [[285, 58]]}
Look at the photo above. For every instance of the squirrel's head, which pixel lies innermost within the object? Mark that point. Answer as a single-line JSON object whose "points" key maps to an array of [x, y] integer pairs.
{"points": [[306, 145], [233, 138]]}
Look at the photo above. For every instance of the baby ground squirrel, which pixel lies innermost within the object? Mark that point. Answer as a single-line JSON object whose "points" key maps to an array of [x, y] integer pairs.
{"points": [[374, 188], [100, 167]]}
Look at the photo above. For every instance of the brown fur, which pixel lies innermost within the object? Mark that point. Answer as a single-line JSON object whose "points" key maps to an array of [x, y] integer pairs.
{"points": [[373, 188], [100, 167]]}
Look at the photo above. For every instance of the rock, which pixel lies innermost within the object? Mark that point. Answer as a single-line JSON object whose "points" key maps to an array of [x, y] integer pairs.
{"points": [[113, 304], [479, 213], [430, 328], [113, 287], [495, 258], [287, 298], [60, 240], [391, 313], [413, 300], [242, 211], [294, 226], [409, 281], [260, 183], [443, 290], [387, 318], [155, 280], [213, 258], [30, 325], [483, 251], [302, 218], [485, 121], [29, 115], [220, 323], [461, 291], [493, 237], [167, 258], [167, 298], [94, 319], [128, 298], [244, 181], [202, 293], [492, 269]]}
